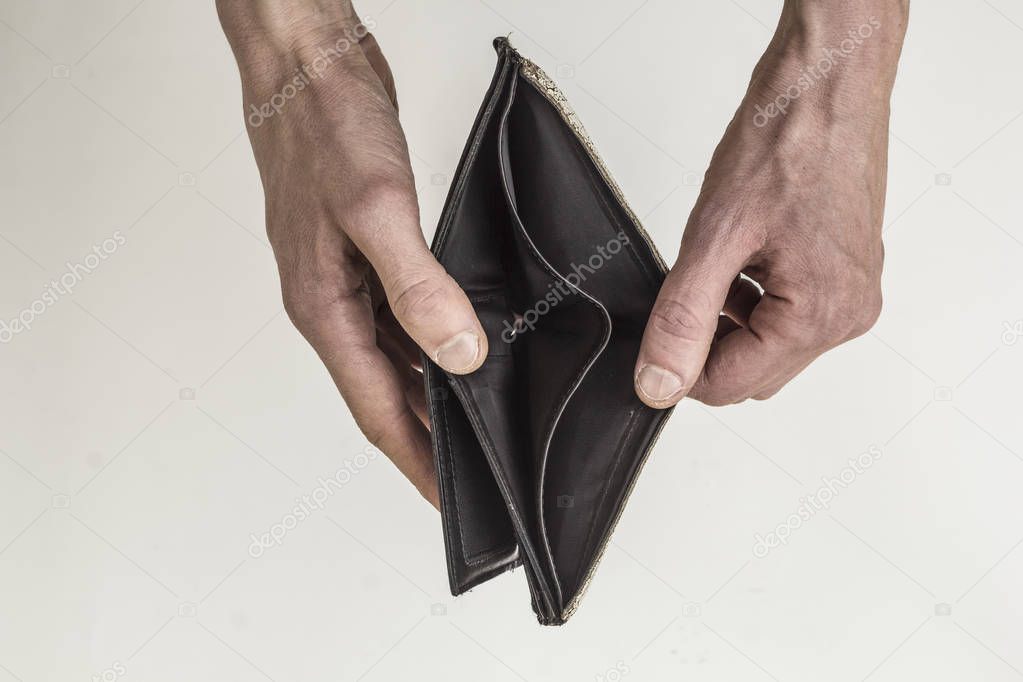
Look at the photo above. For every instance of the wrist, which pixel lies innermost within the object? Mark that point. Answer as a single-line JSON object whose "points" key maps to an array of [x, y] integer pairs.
{"points": [[833, 60], [273, 24], [860, 37], [263, 33], [276, 42]]}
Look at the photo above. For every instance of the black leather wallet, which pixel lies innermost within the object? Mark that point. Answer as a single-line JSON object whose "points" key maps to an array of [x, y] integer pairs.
{"points": [[538, 450]]}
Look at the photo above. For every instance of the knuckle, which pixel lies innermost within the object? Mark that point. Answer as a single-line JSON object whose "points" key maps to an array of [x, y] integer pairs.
{"points": [[720, 398], [721, 221], [766, 395], [308, 299], [678, 320], [378, 213], [379, 426], [380, 199], [850, 309], [715, 400], [806, 323], [423, 298], [375, 433], [712, 394], [751, 235], [301, 309], [833, 291], [867, 316]]}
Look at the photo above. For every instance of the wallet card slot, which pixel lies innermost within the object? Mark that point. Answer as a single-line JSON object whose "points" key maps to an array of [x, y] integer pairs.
{"points": [[490, 393], [560, 348], [580, 228], [475, 540], [473, 244], [482, 527], [537, 451]]}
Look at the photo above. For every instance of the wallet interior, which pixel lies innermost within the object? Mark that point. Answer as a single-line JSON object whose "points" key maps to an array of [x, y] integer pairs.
{"points": [[537, 450]]}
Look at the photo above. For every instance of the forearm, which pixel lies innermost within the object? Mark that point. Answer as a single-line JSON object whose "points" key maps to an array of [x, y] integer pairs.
{"points": [[280, 24], [841, 54], [793, 199], [272, 38]]}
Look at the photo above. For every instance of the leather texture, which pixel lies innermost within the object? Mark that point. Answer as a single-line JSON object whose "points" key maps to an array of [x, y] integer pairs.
{"points": [[537, 451]]}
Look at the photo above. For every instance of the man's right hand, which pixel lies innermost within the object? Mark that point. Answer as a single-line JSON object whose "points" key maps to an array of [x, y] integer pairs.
{"points": [[357, 277]]}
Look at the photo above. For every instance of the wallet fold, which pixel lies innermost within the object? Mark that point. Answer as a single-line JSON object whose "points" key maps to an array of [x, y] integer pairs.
{"points": [[538, 450]]}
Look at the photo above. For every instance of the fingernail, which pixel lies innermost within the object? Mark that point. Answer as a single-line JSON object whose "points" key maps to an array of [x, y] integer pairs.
{"points": [[459, 353], [657, 383]]}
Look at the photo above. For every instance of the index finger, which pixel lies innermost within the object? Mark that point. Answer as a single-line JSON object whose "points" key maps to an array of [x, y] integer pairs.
{"points": [[374, 390], [764, 355]]}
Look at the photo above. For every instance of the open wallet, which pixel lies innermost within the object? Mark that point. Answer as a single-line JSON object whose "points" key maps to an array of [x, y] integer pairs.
{"points": [[538, 450]]}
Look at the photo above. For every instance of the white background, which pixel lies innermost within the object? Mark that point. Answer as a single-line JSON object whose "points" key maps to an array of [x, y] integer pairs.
{"points": [[165, 410]]}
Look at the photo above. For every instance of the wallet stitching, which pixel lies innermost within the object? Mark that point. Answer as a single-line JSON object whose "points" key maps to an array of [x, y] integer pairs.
{"points": [[656, 274], [573, 387], [594, 353], [471, 157], [658, 421], [444, 473], [502, 483], [484, 298], [609, 213], [442, 237], [479, 557], [453, 475], [619, 451], [469, 404]]}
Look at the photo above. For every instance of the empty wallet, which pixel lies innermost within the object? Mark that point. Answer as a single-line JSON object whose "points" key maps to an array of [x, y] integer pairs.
{"points": [[538, 450]]}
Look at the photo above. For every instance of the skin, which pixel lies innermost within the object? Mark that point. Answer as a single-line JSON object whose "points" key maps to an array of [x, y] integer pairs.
{"points": [[795, 203], [792, 200]]}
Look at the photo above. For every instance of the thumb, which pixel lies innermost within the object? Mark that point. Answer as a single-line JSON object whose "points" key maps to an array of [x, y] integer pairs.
{"points": [[436, 313], [376, 59], [683, 320], [427, 302]]}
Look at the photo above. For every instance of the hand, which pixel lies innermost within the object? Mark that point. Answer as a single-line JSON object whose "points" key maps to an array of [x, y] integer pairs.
{"points": [[357, 277], [793, 200]]}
